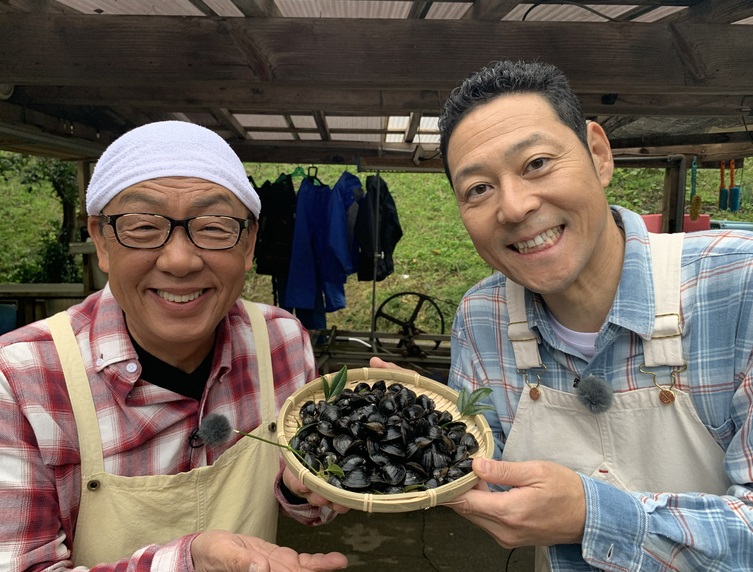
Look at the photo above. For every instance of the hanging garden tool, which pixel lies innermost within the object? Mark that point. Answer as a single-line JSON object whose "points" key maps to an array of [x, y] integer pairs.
{"points": [[734, 191], [722, 189], [695, 199]]}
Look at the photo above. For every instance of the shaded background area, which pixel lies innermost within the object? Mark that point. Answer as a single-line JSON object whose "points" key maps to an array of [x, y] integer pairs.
{"points": [[433, 540]]}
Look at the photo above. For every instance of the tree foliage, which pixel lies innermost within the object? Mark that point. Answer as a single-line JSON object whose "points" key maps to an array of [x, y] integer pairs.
{"points": [[53, 262]]}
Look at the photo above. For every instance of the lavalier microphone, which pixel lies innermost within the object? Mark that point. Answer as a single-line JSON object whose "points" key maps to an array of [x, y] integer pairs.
{"points": [[213, 430]]}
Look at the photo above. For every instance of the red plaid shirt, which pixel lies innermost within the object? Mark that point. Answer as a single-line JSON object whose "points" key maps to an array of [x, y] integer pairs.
{"points": [[145, 428]]}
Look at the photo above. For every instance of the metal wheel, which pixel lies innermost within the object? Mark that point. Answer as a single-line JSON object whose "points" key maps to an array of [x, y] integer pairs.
{"points": [[408, 314]]}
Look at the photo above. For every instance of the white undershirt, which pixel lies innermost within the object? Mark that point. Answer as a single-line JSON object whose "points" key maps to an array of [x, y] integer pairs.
{"points": [[584, 342]]}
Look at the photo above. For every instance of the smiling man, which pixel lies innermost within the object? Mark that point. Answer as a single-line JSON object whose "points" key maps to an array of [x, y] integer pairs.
{"points": [[104, 460], [619, 362]]}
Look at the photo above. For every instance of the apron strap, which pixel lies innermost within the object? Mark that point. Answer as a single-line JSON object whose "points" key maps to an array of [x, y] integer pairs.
{"points": [[665, 345], [79, 391], [525, 344], [263, 360]]}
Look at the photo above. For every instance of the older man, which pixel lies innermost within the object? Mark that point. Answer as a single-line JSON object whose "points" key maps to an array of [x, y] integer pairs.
{"points": [[104, 462]]}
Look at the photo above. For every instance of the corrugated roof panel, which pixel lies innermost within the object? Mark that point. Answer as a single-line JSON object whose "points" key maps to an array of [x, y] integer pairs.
{"points": [[271, 136], [349, 122], [565, 12], [429, 123], [139, 7], [394, 138], [398, 122], [309, 137], [343, 9], [448, 10], [426, 137], [303, 121], [745, 21], [370, 137], [256, 120]]}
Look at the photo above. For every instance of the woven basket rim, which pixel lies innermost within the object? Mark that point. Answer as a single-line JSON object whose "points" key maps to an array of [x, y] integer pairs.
{"points": [[368, 502]]}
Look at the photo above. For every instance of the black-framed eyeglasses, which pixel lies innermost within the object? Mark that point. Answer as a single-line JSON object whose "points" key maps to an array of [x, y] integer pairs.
{"points": [[147, 231]]}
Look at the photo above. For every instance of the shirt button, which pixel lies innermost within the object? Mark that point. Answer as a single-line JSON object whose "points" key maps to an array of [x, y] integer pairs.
{"points": [[131, 367], [100, 361]]}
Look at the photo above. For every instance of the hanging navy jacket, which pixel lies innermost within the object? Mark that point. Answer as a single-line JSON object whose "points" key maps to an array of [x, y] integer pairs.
{"points": [[274, 240], [377, 202]]}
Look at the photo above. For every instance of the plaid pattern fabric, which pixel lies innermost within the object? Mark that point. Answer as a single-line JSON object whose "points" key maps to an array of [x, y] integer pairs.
{"points": [[145, 428], [642, 531]]}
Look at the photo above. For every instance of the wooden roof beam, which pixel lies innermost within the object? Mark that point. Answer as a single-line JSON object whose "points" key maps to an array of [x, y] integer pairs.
{"points": [[716, 11], [412, 129], [228, 120], [106, 51], [321, 125]]}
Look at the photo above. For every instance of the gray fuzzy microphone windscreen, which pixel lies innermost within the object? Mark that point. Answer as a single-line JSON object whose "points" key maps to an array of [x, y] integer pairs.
{"points": [[595, 393], [214, 429]]}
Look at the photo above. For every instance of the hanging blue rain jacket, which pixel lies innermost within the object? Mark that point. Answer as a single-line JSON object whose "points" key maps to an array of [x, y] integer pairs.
{"points": [[320, 260]]}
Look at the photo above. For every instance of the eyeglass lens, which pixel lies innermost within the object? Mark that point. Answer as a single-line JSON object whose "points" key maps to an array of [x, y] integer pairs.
{"points": [[152, 231]]}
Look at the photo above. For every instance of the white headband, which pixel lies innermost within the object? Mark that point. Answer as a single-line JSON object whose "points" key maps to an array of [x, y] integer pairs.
{"points": [[168, 149]]}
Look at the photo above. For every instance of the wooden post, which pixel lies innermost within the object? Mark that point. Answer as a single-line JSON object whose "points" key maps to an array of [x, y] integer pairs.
{"points": [[673, 203], [84, 173]]}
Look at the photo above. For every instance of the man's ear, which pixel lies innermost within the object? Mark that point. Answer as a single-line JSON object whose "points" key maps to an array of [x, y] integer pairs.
{"points": [[253, 228], [601, 152], [94, 226]]}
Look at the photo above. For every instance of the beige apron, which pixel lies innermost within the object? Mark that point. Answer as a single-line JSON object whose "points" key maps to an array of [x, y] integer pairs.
{"points": [[118, 515], [639, 444]]}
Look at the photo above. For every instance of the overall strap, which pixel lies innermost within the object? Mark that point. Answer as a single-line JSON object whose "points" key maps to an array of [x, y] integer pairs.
{"points": [[525, 344], [665, 345], [263, 360], [79, 391]]}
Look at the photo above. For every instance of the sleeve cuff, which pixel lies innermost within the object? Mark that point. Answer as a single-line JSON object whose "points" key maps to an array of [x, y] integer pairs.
{"points": [[287, 495], [616, 527], [303, 512], [174, 556]]}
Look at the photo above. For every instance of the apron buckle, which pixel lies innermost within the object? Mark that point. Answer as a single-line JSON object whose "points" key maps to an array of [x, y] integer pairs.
{"points": [[534, 392], [666, 395]]}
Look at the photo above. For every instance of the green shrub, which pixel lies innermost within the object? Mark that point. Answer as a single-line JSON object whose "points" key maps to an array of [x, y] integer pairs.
{"points": [[51, 263]]}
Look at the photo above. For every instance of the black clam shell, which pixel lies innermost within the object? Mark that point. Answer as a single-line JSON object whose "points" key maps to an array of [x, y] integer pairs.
{"points": [[384, 438]]}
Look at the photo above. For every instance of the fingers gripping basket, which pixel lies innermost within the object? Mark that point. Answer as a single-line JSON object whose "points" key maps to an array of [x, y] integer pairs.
{"points": [[444, 398]]}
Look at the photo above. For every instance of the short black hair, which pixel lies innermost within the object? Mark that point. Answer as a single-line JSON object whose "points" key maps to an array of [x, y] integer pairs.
{"points": [[506, 77]]}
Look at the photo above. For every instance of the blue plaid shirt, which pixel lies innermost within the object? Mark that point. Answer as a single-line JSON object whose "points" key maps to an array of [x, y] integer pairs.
{"points": [[700, 532]]}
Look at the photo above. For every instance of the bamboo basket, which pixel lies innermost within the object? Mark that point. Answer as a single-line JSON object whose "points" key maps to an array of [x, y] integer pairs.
{"points": [[445, 399]]}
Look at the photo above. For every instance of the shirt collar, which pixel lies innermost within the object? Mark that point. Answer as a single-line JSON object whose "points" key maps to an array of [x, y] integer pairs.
{"points": [[633, 306], [109, 339]]}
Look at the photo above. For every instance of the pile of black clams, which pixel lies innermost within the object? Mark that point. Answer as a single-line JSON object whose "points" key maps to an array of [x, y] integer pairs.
{"points": [[385, 439]]}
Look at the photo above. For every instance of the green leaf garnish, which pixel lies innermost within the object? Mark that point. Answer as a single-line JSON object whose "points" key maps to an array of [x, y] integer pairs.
{"points": [[332, 390], [333, 469], [416, 487], [468, 404], [296, 452]]}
